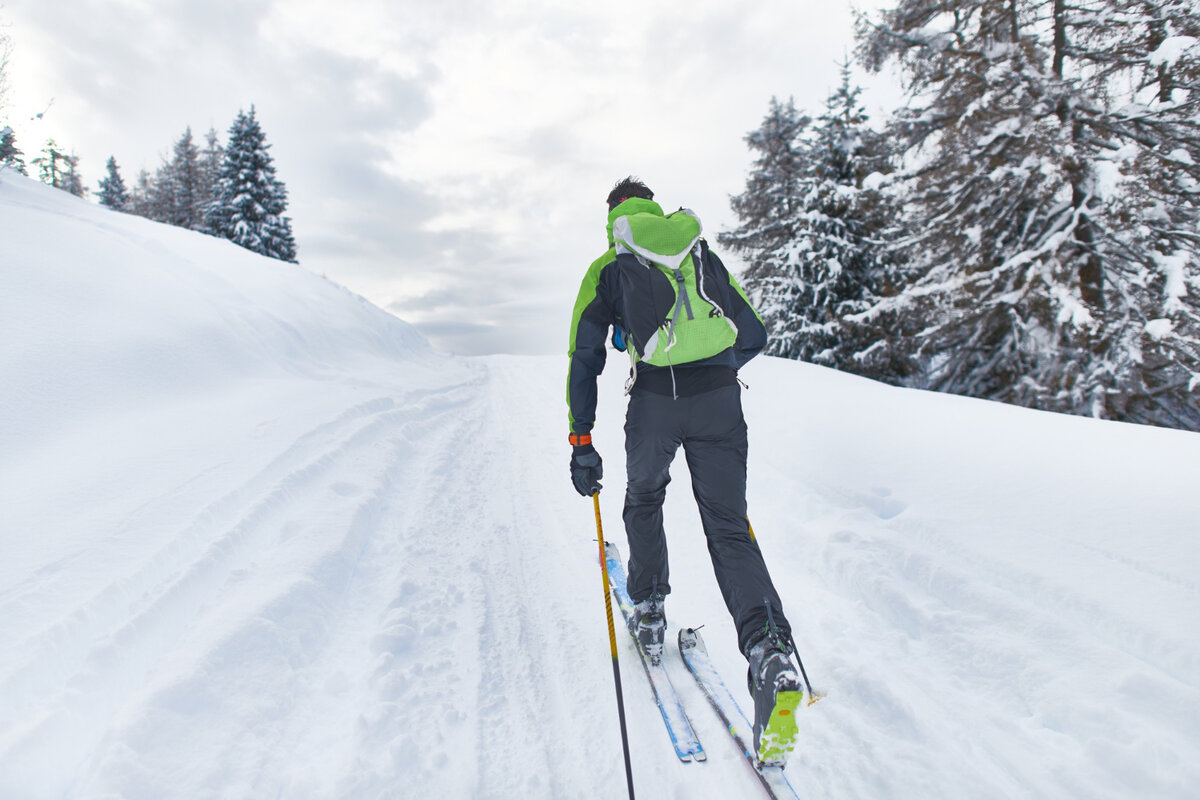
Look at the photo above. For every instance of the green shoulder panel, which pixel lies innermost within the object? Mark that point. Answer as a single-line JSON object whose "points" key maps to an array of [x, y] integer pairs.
{"points": [[587, 292]]}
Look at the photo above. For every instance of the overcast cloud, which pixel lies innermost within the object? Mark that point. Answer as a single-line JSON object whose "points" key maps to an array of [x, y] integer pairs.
{"points": [[448, 160]]}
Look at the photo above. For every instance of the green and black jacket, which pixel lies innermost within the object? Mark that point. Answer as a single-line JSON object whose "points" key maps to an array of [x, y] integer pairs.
{"points": [[599, 307]]}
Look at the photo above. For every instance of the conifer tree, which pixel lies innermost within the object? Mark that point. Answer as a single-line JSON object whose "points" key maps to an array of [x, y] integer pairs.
{"points": [[180, 184], [210, 173], [112, 187], [72, 179], [249, 200], [819, 264], [52, 165], [843, 267], [141, 198], [766, 211], [10, 154], [1034, 127], [1157, 204]]}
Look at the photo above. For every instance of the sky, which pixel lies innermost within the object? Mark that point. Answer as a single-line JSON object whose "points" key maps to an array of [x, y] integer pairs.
{"points": [[447, 160]]}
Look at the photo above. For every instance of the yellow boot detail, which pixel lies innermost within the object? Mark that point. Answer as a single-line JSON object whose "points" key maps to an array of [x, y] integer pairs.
{"points": [[780, 733]]}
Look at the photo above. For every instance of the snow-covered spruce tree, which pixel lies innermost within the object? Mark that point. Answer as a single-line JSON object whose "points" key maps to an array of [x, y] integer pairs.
{"points": [[72, 178], [112, 187], [10, 154], [843, 266], [822, 263], [178, 191], [52, 164], [59, 169], [249, 200], [766, 234], [141, 197], [210, 172], [1156, 173], [1022, 146]]}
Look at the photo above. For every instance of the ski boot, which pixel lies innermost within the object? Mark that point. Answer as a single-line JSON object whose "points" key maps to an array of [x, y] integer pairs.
{"points": [[775, 686], [649, 626]]}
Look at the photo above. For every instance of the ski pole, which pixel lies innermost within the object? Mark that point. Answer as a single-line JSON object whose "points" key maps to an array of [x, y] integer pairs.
{"points": [[812, 696], [612, 640]]}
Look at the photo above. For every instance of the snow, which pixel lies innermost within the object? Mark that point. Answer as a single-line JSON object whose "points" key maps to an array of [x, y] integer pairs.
{"points": [[1181, 156], [1159, 329], [874, 182], [1107, 179], [260, 541], [1172, 49], [1174, 267], [934, 38]]}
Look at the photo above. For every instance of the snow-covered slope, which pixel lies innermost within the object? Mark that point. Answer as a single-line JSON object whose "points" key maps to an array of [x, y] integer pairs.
{"points": [[259, 541]]}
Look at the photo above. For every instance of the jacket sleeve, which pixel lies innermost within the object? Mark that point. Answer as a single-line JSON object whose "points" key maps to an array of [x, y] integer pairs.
{"points": [[590, 321], [751, 332]]}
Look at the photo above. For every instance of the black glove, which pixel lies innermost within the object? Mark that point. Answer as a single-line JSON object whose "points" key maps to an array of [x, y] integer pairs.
{"points": [[586, 469]]}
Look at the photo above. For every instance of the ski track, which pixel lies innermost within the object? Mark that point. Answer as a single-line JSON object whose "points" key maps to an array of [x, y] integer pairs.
{"points": [[973, 623], [405, 601], [99, 695], [388, 593]]}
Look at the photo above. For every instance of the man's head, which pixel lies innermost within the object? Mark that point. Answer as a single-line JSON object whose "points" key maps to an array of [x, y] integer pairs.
{"points": [[627, 188]]}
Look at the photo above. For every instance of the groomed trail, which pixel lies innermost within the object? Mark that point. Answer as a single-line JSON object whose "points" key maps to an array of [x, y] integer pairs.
{"points": [[259, 541]]}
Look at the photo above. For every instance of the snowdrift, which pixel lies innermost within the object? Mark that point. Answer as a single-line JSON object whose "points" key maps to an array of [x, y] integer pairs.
{"points": [[100, 308], [258, 540]]}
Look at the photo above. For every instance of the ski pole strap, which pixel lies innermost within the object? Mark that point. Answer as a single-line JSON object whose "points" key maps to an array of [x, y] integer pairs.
{"points": [[578, 439]]}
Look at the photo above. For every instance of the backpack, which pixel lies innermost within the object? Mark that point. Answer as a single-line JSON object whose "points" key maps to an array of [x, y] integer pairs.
{"points": [[674, 299]]}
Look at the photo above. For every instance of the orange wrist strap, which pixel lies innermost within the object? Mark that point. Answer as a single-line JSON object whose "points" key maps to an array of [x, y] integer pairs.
{"points": [[577, 439]]}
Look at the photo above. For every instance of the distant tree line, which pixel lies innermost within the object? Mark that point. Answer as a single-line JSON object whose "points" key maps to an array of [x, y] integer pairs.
{"points": [[1026, 229], [228, 191]]}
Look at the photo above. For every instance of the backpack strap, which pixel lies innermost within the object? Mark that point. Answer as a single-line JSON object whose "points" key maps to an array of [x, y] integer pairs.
{"points": [[681, 301], [718, 309]]}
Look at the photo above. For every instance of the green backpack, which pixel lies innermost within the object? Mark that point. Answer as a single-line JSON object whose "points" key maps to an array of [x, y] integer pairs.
{"points": [[674, 302]]}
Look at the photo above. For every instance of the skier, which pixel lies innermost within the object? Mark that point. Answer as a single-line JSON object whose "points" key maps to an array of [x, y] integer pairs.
{"points": [[693, 400]]}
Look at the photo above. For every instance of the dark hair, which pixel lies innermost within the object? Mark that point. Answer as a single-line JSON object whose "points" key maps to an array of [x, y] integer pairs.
{"points": [[627, 188]]}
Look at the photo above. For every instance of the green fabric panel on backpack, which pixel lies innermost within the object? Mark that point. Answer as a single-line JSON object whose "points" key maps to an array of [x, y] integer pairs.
{"points": [[633, 205], [704, 335], [650, 234]]}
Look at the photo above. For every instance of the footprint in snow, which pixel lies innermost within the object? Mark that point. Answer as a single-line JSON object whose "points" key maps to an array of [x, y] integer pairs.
{"points": [[881, 503]]}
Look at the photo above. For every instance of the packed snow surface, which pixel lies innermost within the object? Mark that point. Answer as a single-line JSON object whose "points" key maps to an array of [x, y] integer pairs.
{"points": [[258, 540]]}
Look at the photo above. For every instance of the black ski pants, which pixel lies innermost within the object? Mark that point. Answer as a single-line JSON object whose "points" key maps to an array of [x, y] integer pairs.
{"points": [[712, 430]]}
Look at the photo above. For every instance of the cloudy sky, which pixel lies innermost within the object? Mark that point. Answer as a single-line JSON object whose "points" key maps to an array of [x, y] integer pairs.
{"points": [[448, 160]]}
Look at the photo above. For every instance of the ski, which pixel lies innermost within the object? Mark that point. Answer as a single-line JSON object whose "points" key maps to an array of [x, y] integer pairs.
{"points": [[679, 728], [695, 655]]}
